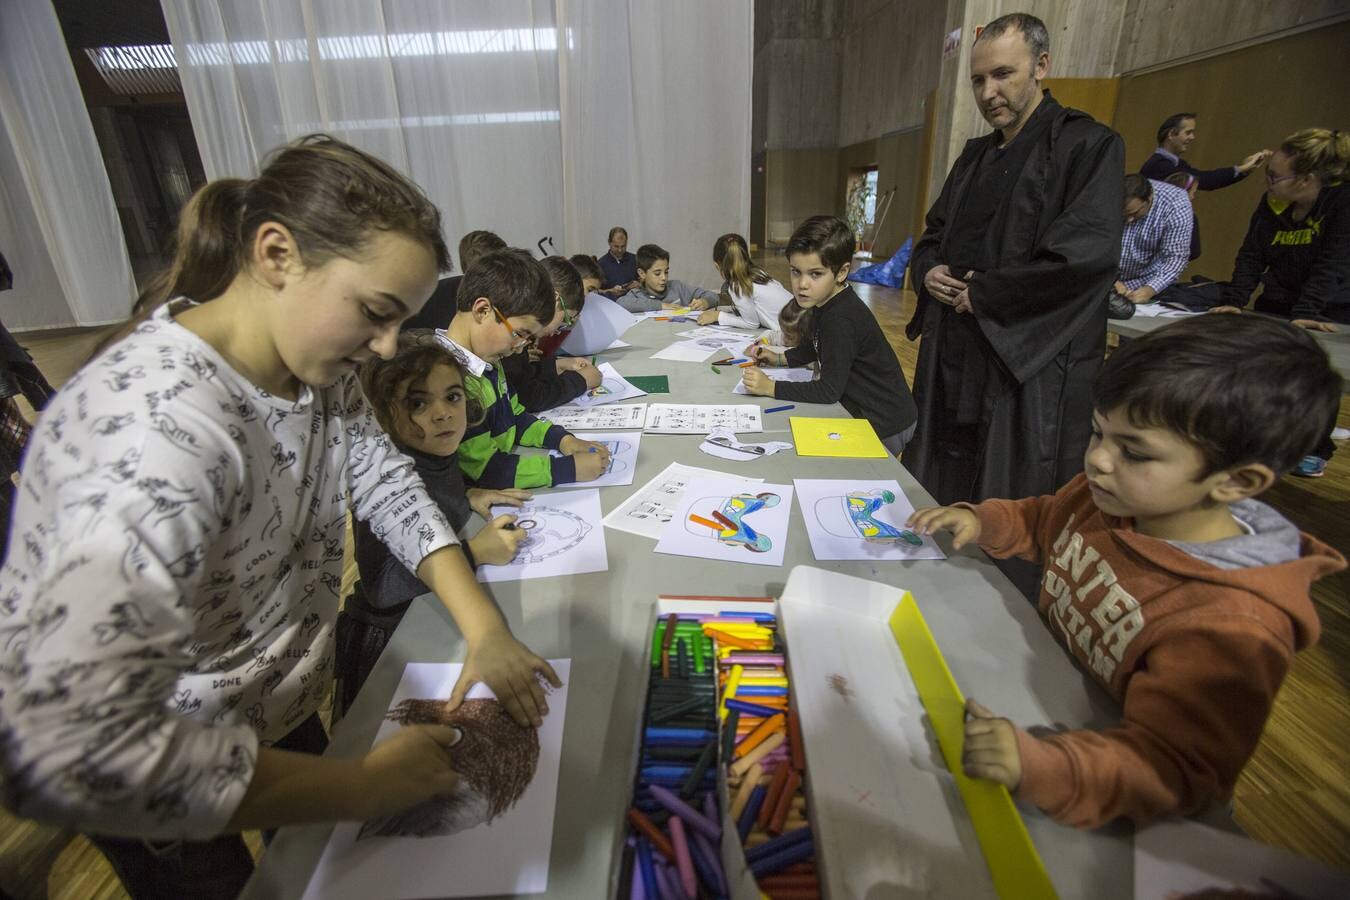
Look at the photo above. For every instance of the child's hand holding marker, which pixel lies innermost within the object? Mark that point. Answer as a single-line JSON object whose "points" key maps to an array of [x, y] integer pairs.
{"points": [[961, 522], [764, 356], [481, 500], [498, 541], [990, 747]]}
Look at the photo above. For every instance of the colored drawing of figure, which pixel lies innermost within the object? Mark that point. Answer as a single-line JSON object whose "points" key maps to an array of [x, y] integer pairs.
{"points": [[861, 508], [734, 530], [496, 760]]}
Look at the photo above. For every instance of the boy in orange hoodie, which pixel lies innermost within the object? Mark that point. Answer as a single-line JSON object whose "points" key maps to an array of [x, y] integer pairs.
{"points": [[1184, 598]]}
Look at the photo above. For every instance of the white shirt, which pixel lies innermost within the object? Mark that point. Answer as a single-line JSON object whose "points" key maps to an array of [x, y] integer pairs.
{"points": [[171, 588], [759, 310]]}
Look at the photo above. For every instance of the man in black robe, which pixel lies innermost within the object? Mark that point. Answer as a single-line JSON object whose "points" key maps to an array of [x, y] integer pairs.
{"points": [[1013, 269]]}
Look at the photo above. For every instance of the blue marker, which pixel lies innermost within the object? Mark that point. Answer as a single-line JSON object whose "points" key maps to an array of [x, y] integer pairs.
{"points": [[781, 408]]}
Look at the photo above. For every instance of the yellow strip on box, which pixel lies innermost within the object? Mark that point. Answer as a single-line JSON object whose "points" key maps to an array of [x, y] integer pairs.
{"points": [[1013, 862]]}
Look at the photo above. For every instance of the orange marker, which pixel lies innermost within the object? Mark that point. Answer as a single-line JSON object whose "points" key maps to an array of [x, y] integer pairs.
{"points": [[752, 740], [772, 798], [709, 523], [780, 812]]}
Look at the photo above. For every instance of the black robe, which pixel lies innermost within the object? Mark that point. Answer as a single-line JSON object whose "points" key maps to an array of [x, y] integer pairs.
{"points": [[1040, 313]]}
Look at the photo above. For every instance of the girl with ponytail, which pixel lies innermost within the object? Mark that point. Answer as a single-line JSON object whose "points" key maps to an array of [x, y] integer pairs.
{"points": [[172, 583], [755, 297]]}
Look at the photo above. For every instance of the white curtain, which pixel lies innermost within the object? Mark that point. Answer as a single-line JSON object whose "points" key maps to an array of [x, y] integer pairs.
{"points": [[59, 227], [530, 118]]}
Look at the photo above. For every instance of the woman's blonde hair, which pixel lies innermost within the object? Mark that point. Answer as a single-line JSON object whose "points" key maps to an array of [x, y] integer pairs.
{"points": [[731, 255], [1318, 151]]}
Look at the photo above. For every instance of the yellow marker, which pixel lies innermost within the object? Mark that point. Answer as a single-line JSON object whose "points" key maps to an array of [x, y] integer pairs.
{"points": [[733, 682], [1014, 864], [763, 681]]}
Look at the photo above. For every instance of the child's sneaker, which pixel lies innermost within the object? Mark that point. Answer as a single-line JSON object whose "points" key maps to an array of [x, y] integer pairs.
{"points": [[1310, 467]]}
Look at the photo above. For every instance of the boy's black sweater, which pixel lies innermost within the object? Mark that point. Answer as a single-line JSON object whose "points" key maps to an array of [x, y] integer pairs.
{"points": [[539, 384], [1304, 265], [858, 368]]}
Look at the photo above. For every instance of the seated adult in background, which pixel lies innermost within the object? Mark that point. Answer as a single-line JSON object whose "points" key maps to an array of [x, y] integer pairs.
{"points": [[618, 265], [440, 306], [1298, 246], [1175, 137], [1156, 241], [1190, 184]]}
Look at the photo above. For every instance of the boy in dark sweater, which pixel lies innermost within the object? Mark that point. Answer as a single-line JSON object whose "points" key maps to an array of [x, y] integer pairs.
{"points": [[858, 368], [539, 378]]}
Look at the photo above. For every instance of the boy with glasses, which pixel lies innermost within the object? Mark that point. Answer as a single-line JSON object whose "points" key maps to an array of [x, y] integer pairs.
{"points": [[502, 306], [541, 380]]}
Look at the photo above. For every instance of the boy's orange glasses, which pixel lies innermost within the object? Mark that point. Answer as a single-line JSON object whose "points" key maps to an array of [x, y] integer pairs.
{"points": [[520, 338]]}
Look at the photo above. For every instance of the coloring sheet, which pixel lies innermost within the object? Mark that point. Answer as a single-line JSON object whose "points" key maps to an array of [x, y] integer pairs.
{"points": [[623, 447], [563, 537], [684, 418], [687, 351], [654, 504], [617, 415], [740, 336], [613, 388], [492, 836], [600, 323], [734, 519], [805, 373], [854, 519]]}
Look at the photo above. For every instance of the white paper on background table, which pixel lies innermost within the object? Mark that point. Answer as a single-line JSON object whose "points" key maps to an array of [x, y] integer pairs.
{"points": [[651, 506], [613, 388], [859, 519], [695, 418], [564, 537], [686, 351], [1177, 859], [723, 444], [600, 323], [740, 336], [1159, 311], [507, 855], [610, 415], [755, 531], [623, 448], [618, 345], [804, 373]]}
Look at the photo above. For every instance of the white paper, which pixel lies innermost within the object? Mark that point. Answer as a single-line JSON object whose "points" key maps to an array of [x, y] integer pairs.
{"points": [[684, 418], [618, 345], [648, 509], [601, 321], [723, 444], [1176, 859], [856, 519], [804, 373], [758, 514], [508, 855], [614, 415], [1158, 311], [686, 351], [613, 388], [721, 331], [564, 537], [623, 447]]}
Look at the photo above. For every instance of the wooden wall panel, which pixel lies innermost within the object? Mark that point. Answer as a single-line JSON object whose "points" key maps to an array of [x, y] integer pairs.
{"points": [[1246, 100], [800, 183], [1094, 96], [891, 53]]}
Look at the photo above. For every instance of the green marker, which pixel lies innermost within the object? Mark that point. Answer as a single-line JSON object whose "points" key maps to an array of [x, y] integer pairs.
{"points": [[716, 371]]}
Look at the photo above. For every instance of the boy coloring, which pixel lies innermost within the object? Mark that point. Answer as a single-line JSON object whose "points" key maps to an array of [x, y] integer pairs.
{"points": [[858, 368], [503, 304], [658, 290], [1183, 596]]}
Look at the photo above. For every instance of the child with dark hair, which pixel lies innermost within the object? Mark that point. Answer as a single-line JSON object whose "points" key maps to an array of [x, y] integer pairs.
{"points": [[592, 276], [1182, 596], [658, 290], [440, 306], [539, 378], [858, 368], [504, 303], [419, 399]]}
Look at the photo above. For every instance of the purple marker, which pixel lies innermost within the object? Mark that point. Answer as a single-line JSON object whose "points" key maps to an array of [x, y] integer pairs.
{"points": [[693, 818]]}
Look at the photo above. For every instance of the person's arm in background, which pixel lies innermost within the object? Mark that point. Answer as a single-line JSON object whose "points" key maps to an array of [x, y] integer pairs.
{"points": [[1249, 263]]}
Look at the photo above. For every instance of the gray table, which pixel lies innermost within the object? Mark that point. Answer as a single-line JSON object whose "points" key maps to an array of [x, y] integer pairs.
{"points": [[1337, 345], [996, 645]]}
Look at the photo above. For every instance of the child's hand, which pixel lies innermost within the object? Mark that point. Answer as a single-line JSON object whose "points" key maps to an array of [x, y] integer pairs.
{"points": [[763, 356], [756, 382], [563, 364], [962, 523], [592, 375], [481, 500], [573, 445], [497, 542], [534, 353], [411, 766], [698, 303], [512, 672], [708, 316], [990, 747], [590, 466]]}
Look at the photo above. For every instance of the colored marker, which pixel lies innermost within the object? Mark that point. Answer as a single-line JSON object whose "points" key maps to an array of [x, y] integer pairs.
{"points": [[781, 408], [708, 523], [747, 364], [716, 371], [737, 361], [682, 859], [654, 834], [733, 681], [726, 523]]}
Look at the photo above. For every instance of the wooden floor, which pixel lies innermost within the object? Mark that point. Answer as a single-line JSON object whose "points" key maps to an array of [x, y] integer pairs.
{"points": [[1294, 793]]}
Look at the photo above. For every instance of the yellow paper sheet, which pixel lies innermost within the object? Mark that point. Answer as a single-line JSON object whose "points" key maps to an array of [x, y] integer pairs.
{"points": [[853, 438], [1013, 862]]}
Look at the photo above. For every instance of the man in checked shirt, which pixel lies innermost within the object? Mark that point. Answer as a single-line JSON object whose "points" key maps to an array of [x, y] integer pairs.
{"points": [[1156, 244]]}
